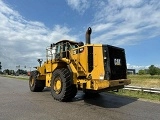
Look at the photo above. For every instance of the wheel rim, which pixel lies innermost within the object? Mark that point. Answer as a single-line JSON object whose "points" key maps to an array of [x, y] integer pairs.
{"points": [[57, 85], [31, 82]]}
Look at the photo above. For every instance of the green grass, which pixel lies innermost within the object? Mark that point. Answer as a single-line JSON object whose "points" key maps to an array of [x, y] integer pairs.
{"points": [[145, 81], [138, 94], [17, 77]]}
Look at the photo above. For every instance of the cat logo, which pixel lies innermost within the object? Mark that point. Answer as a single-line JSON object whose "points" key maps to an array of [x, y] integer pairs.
{"points": [[117, 61]]}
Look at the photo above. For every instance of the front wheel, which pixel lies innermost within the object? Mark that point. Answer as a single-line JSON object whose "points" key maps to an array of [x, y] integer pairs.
{"points": [[35, 85], [62, 88]]}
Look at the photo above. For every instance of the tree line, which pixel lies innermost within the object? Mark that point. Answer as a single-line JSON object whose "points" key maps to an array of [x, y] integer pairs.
{"points": [[12, 72], [152, 70]]}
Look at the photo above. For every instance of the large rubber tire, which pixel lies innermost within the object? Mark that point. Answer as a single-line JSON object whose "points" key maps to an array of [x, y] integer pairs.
{"points": [[35, 85], [66, 90]]}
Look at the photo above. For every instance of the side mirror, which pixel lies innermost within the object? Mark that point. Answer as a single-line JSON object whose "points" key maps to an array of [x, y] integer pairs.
{"points": [[40, 61]]}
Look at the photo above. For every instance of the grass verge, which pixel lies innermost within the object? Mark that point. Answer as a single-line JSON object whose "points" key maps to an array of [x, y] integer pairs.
{"points": [[145, 81], [138, 94], [17, 77]]}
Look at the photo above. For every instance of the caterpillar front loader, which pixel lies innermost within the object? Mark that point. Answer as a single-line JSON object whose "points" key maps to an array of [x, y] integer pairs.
{"points": [[72, 66]]}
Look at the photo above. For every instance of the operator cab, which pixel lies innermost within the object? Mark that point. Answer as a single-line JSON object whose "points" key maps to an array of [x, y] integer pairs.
{"points": [[63, 47]]}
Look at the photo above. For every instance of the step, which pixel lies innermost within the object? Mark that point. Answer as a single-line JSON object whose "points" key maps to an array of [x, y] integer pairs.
{"points": [[81, 73]]}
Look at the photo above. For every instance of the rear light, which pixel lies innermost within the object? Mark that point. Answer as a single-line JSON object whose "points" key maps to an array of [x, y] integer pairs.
{"points": [[101, 76]]}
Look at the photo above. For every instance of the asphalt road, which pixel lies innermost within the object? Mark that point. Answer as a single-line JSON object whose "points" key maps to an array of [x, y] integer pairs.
{"points": [[18, 103]]}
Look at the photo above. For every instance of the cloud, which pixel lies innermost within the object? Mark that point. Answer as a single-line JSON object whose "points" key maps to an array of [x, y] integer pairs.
{"points": [[121, 22], [101, 27], [137, 67], [22, 41], [78, 5], [140, 67], [118, 22]]}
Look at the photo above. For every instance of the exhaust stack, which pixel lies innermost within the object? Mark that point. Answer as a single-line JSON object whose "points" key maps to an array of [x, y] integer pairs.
{"points": [[88, 35]]}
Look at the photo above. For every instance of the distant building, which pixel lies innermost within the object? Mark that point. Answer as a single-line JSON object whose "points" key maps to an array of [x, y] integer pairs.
{"points": [[131, 71]]}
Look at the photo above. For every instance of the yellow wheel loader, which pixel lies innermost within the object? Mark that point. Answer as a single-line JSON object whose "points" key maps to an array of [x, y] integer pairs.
{"points": [[71, 66]]}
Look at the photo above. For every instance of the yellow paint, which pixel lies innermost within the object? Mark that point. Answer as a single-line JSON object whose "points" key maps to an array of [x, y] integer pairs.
{"points": [[119, 82], [57, 85], [98, 67], [79, 66], [48, 79]]}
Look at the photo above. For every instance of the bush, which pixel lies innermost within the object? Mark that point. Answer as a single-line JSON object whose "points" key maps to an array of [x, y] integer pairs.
{"points": [[154, 70]]}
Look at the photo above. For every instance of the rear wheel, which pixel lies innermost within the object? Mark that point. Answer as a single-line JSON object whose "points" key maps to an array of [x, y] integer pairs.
{"points": [[36, 85], [62, 88]]}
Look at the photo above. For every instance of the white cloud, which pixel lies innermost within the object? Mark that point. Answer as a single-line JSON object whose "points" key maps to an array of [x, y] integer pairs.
{"points": [[140, 67], [78, 5], [137, 67], [101, 27], [122, 22], [22, 41], [117, 22], [126, 3]]}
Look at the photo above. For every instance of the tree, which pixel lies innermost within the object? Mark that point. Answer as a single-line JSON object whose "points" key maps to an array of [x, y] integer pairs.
{"points": [[0, 66], [21, 72], [158, 71], [9, 72], [6, 71], [153, 70], [141, 72]]}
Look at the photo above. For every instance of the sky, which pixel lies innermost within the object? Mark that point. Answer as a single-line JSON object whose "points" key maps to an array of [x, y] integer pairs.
{"points": [[27, 27]]}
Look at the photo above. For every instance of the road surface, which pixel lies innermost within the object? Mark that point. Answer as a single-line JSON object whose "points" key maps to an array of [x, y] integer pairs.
{"points": [[18, 103]]}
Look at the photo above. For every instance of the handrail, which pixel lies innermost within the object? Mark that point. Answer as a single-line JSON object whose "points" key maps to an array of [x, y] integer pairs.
{"points": [[67, 52]]}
